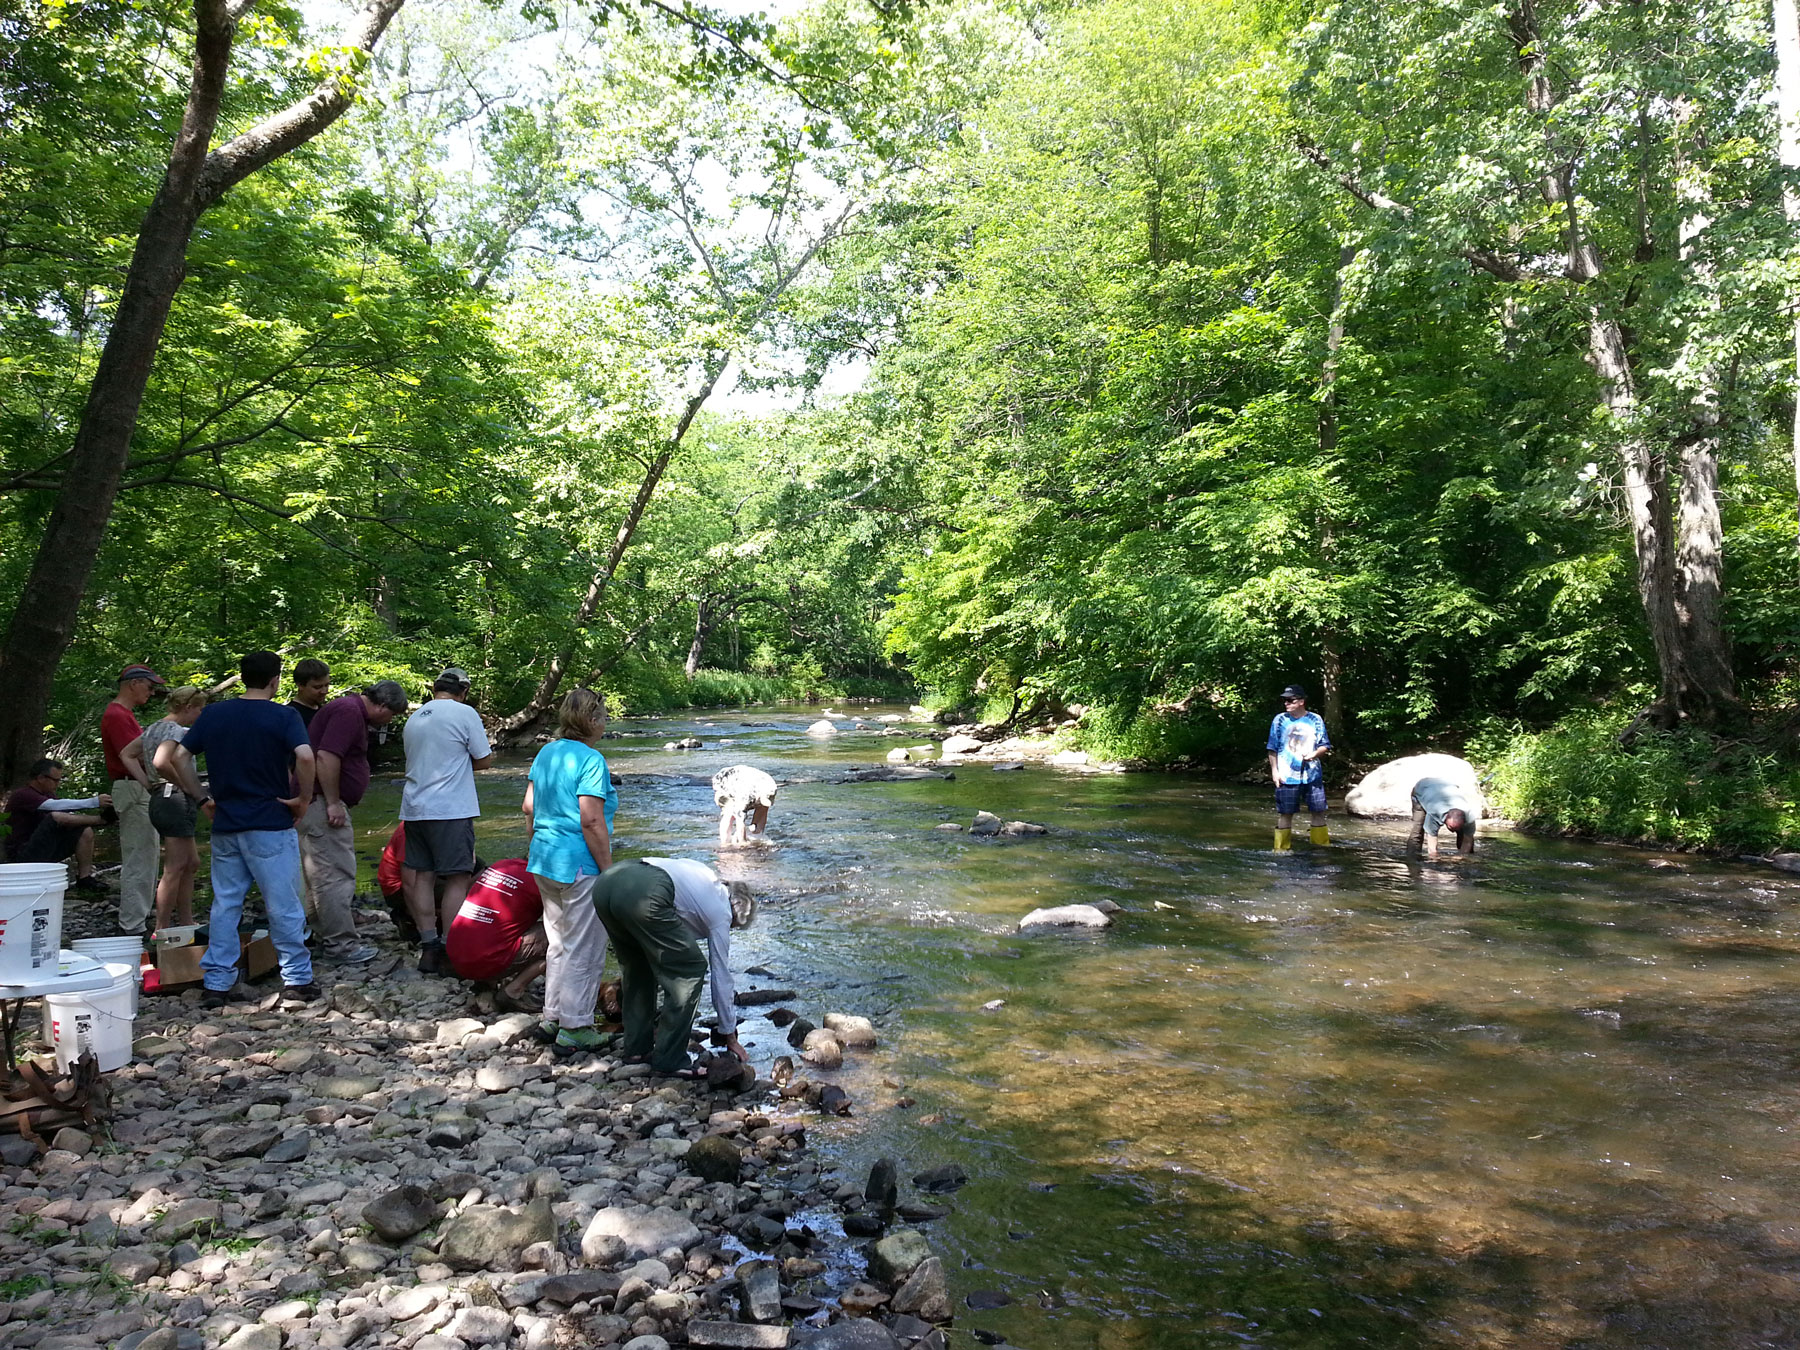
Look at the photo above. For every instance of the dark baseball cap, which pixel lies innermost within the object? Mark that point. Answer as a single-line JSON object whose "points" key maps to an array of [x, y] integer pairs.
{"points": [[1292, 691], [140, 673]]}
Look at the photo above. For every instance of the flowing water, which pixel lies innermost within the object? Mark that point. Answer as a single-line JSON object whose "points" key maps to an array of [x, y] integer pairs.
{"points": [[1544, 1097]]}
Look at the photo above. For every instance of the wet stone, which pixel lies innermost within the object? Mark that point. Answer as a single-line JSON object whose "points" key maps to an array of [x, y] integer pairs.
{"points": [[714, 1159], [289, 1148], [882, 1189], [941, 1179], [705, 1335], [400, 1213], [897, 1255], [799, 1031], [759, 1291]]}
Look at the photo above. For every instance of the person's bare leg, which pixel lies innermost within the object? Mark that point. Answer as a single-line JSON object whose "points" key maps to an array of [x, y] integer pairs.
{"points": [[184, 894], [175, 892], [456, 889], [520, 984], [420, 888], [84, 854], [760, 825]]}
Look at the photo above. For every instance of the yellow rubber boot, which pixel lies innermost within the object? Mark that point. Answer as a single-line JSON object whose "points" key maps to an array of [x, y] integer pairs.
{"points": [[1284, 841], [1321, 836]]}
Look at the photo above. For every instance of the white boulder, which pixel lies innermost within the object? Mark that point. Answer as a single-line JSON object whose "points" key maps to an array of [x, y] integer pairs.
{"points": [[1066, 916], [1387, 791], [823, 727], [961, 745]]}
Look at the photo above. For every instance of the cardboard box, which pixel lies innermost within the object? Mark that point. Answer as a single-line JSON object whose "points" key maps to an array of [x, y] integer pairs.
{"points": [[179, 966]]}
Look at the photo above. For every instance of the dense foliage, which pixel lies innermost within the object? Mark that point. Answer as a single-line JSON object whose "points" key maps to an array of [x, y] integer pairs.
{"points": [[1189, 350]]}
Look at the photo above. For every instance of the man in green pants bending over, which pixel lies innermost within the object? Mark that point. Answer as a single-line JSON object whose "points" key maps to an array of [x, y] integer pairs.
{"points": [[656, 910]]}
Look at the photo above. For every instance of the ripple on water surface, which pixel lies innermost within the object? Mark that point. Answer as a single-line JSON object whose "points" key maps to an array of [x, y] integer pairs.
{"points": [[1544, 1098]]}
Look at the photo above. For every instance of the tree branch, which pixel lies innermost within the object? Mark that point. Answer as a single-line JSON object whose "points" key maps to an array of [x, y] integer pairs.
{"points": [[299, 122]]}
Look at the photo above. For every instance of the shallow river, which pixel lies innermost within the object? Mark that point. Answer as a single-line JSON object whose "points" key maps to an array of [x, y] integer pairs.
{"points": [[1549, 1097]]}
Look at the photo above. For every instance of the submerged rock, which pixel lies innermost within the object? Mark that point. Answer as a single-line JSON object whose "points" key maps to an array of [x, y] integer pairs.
{"points": [[1066, 916], [940, 1179]]}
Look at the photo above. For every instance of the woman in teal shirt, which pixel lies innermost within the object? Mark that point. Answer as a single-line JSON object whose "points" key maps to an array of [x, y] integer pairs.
{"points": [[569, 808]]}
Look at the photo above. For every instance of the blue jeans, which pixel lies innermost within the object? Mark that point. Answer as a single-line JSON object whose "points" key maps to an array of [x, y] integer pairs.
{"points": [[271, 859]]}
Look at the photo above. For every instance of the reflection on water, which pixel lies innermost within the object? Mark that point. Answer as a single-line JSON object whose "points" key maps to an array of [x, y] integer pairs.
{"points": [[1544, 1097]]}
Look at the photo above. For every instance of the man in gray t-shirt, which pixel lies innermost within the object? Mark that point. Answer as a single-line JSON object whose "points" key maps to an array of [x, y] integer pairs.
{"points": [[445, 744], [1437, 802]]}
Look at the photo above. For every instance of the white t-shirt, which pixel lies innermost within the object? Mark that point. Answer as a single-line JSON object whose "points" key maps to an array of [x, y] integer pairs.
{"points": [[705, 907], [441, 738]]}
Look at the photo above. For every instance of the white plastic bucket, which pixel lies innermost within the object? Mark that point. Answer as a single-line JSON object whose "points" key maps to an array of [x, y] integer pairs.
{"points": [[99, 1020], [127, 950], [31, 901]]}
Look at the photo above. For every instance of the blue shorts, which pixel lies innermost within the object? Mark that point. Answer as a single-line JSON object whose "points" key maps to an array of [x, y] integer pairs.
{"points": [[1291, 798]]}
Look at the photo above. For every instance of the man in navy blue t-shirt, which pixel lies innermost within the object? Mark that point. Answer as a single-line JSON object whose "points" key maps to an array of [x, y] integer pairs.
{"points": [[249, 742]]}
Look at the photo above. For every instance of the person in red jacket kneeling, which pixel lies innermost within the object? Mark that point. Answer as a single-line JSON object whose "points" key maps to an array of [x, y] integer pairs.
{"points": [[498, 934]]}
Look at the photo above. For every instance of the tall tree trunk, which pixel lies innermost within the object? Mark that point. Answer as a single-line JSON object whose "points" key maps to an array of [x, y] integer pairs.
{"points": [[1787, 101], [703, 622], [44, 620], [533, 712], [1331, 657]]}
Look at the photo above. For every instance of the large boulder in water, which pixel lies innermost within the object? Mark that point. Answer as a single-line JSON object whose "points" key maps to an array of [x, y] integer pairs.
{"points": [[1387, 791], [1066, 916], [822, 727]]}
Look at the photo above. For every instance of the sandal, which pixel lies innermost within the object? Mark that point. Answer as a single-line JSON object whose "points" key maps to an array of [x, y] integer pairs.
{"points": [[505, 1002]]}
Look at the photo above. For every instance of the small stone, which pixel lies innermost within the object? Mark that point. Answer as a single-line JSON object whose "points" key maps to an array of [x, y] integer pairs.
{"points": [[948, 826], [856, 1032], [487, 1237], [861, 1299], [451, 1129], [499, 1076], [71, 1140], [986, 823], [646, 1343], [1018, 827], [882, 1190], [756, 998], [400, 1213], [289, 1148], [941, 1179], [260, 1337], [225, 1142], [190, 1217], [759, 1291], [295, 1061], [864, 1224], [366, 1257], [481, 1326], [714, 1159], [17, 1151], [799, 1031], [134, 1265], [706, 1335], [453, 1031], [347, 1087], [415, 1302], [782, 1016], [1066, 916], [984, 1300], [856, 1333], [821, 1049], [227, 1047], [926, 1293], [833, 1100], [288, 1310], [579, 1285], [897, 1256]]}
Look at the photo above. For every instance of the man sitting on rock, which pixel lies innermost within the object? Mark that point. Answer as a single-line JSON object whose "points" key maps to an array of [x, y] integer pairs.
{"points": [[498, 934], [656, 910], [51, 829], [744, 796], [1437, 802]]}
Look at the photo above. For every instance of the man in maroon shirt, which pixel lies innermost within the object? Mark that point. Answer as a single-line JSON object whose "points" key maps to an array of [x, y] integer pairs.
{"points": [[46, 828], [139, 844], [498, 933], [339, 733]]}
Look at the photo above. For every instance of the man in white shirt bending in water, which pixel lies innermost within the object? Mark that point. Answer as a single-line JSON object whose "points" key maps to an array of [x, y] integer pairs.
{"points": [[656, 911]]}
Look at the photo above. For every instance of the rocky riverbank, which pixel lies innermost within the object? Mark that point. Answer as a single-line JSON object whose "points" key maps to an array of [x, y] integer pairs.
{"points": [[400, 1167]]}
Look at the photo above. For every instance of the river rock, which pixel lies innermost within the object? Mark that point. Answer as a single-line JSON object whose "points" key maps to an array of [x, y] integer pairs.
{"points": [[189, 1217], [960, 745], [1009, 766], [224, 1142], [822, 727], [897, 1256], [899, 756], [833, 1100], [857, 1333], [822, 1049], [943, 1178], [799, 1031], [400, 1213], [926, 1293], [487, 1237], [290, 1148], [481, 1326], [644, 1231], [1070, 758], [986, 823], [882, 1190], [347, 1087], [756, 998], [948, 826], [759, 1290], [1017, 828], [852, 1031], [134, 1265], [1387, 791], [455, 1029], [714, 1159], [1066, 916], [708, 1335]]}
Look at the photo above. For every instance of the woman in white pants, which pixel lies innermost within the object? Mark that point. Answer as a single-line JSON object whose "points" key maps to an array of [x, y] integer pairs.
{"points": [[569, 808]]}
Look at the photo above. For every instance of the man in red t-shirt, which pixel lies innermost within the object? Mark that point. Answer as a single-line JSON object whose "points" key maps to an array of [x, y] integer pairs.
{"points": [[139, 844], [498, 933]]}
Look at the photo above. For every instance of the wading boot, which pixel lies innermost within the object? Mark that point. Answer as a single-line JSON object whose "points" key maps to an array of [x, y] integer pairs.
{"points": [[1284, 841], [1321, 836]]}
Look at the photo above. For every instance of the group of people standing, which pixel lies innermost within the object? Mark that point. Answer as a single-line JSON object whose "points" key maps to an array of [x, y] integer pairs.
{"points": [[282, 781]]}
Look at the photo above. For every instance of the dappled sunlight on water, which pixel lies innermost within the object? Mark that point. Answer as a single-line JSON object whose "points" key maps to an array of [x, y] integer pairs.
{"points": [[1545, 1097]]}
